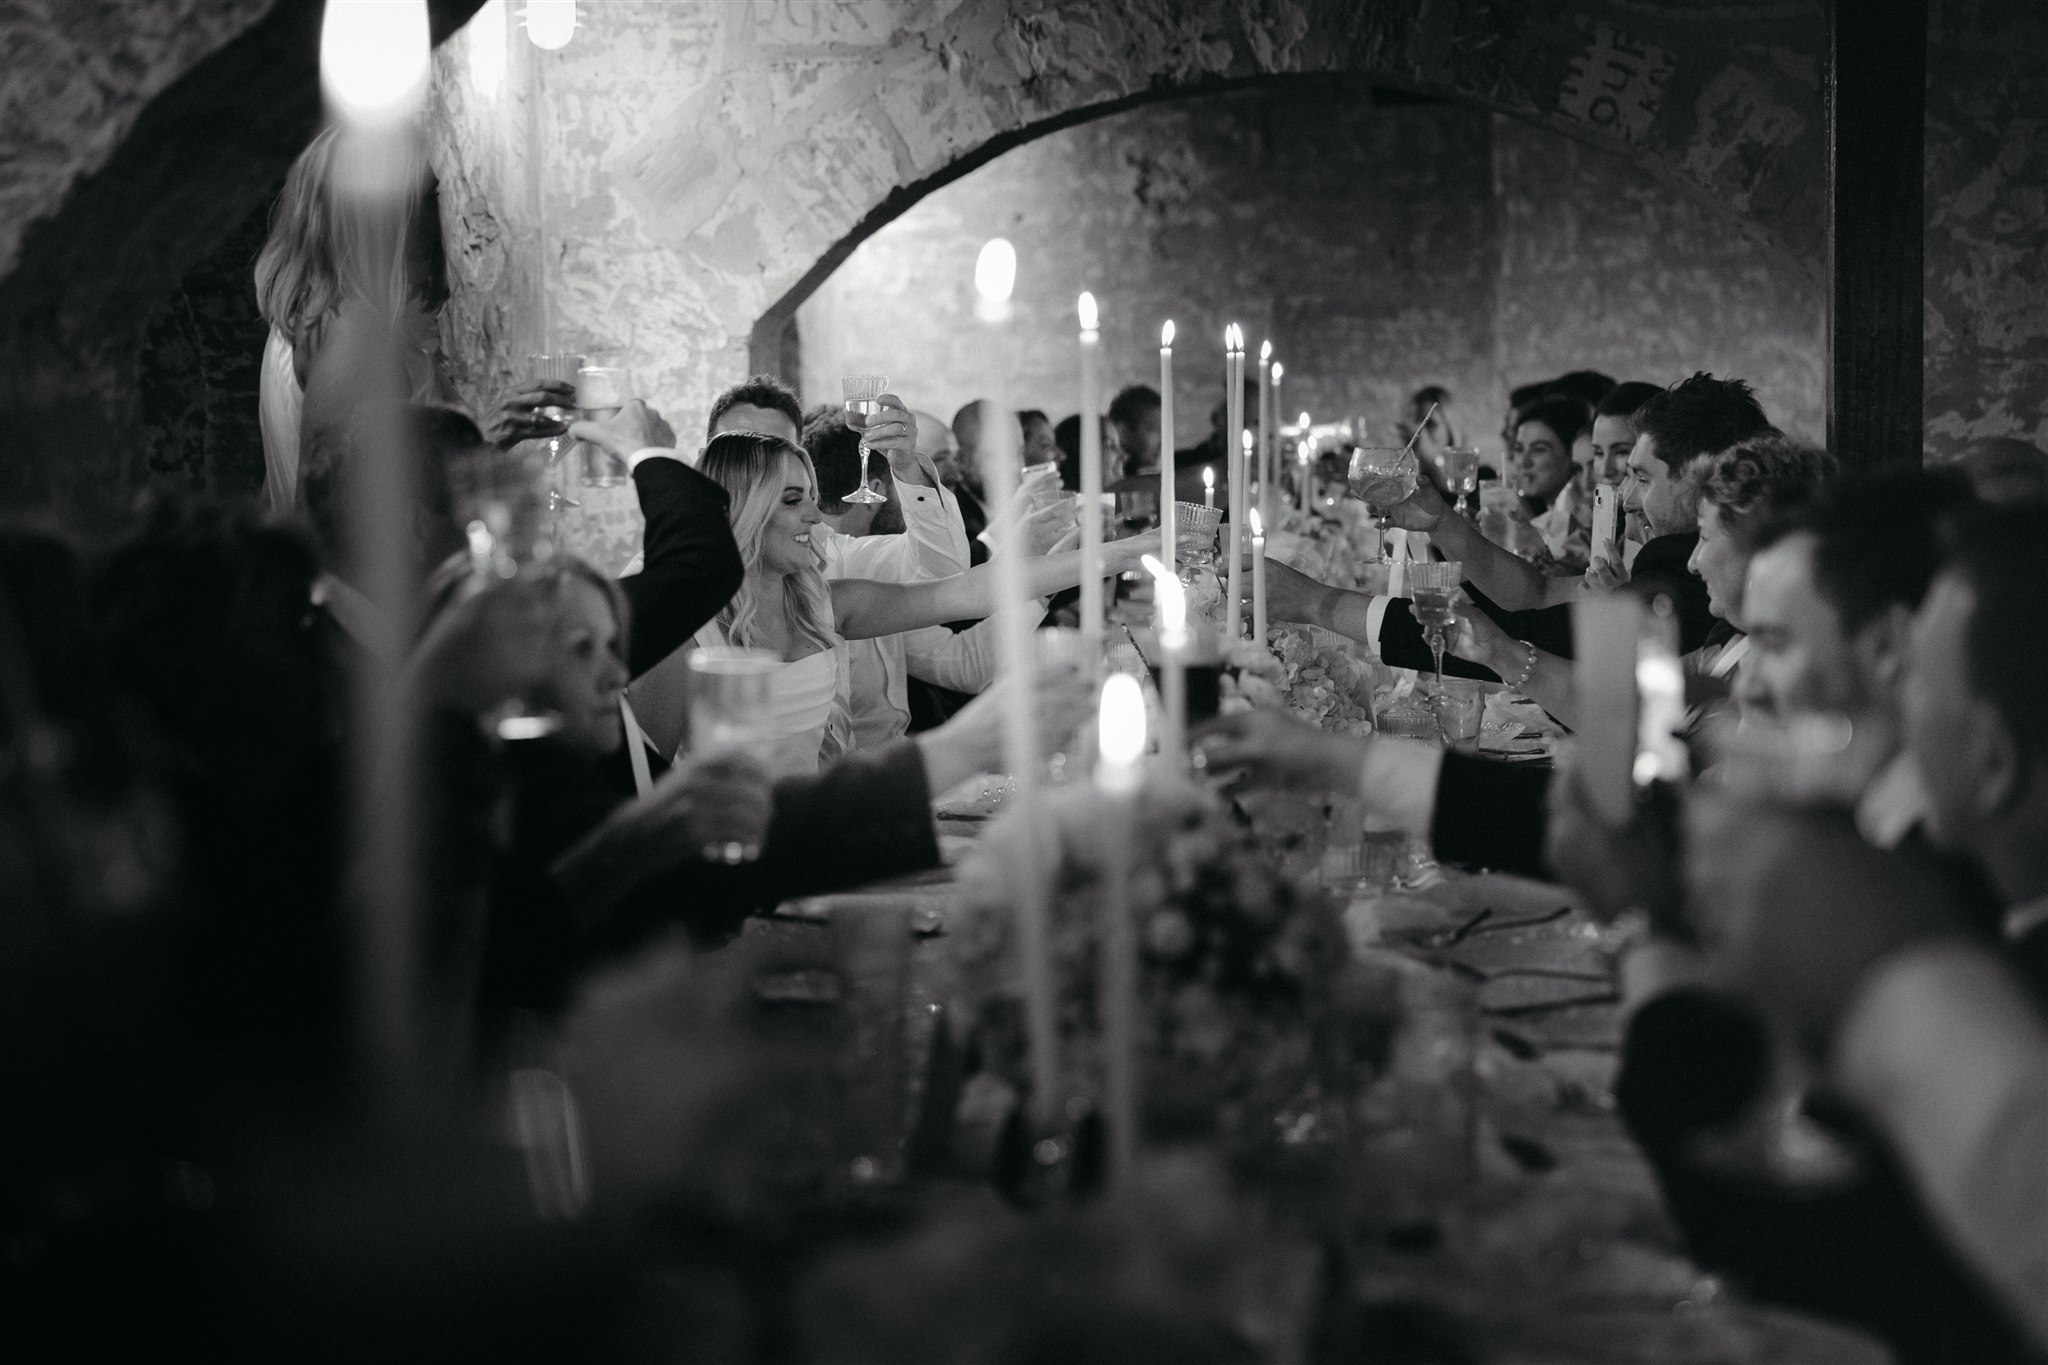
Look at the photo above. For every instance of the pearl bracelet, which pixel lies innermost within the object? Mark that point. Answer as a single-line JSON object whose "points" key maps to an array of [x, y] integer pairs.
{"points": [[1516, 684]]}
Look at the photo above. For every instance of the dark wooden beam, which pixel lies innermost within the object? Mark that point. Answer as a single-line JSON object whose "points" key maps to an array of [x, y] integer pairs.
{"points": [[1876, 87]]}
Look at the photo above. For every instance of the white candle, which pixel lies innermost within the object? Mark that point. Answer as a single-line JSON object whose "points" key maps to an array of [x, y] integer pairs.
{"points": [[1268, 415], [1091, 489], [1120, 741], [1258, 579], [1269, 475], [1209, 486], [1170, 623], [1307, 457], [1167, 530], [1234, 473], [995, 273]]}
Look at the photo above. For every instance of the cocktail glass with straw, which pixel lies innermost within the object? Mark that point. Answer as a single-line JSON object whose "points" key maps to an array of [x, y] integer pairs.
{"points": [[860, 392], [1432, 589], [1383, 477]]}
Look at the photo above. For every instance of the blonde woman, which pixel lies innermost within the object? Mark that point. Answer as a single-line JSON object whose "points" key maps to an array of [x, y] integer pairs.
{"points": [[356, 260], [786, 606]]}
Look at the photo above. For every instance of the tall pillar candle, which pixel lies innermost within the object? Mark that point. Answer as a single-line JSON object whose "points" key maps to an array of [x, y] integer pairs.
{"points": [[1119, 772], [1234, 473], [1167, 535], [995, 274], [1091, 488]]}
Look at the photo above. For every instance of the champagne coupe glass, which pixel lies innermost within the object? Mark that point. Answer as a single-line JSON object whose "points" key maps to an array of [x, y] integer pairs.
{"points": [[861, 391], [1460, 466], [601, 390], [1432, 588], [561, 368], [1382, 477]]}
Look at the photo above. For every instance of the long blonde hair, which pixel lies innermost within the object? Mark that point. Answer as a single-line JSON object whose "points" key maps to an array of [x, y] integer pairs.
{"points": [[749, 467], [327, 245]]}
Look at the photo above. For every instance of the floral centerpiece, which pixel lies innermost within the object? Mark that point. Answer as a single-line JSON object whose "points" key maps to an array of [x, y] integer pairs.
{"points": [[1247, 993]]}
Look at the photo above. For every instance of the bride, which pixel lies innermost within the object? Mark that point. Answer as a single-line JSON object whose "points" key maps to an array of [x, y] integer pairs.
{"points": [[786, 606]]}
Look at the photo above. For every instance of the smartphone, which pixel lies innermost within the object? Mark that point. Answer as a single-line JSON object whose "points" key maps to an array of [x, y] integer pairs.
{"points": [[1631, 690], [1606, 541]]}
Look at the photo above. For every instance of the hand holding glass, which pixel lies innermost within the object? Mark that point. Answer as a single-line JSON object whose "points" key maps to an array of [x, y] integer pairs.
{"points": [[601, 390], [860, 392]]}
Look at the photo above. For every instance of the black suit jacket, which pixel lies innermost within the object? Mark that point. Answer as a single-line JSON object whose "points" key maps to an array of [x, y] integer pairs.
{"points": [[690, 567]]}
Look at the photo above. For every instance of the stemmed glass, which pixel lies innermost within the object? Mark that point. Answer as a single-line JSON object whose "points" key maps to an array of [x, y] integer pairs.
{"points": [[1459, 466], [560, 369], [861, 391], [1382, 477], [1432, 588]]}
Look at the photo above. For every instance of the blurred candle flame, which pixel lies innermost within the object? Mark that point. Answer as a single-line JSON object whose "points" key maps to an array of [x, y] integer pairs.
{"points": [[1166, 335], [374, 56], [1087, 310], [550, 23], [1120, 730], [489, 44], [1170, 595]]}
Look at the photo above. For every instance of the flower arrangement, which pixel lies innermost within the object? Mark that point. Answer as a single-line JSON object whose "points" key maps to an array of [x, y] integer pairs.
{"points": [[1246, 995]]}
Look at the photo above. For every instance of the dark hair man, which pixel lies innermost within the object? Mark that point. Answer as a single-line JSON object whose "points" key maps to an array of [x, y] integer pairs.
{"points": [[1135, 415], [762, 403]]}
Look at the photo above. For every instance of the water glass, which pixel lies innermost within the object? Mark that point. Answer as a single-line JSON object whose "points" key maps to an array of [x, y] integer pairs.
{"points": [[1460, 710], [561, 369], [1459, 467], [732, 701], [601, 390]]}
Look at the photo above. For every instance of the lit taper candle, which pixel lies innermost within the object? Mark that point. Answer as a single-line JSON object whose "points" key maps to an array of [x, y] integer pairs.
{"points": [[1258, 579], [1234, 474], [1170, 624], [1091, 488], [995, 274], [1269, 416], [1119, 772], [1167, 534]]}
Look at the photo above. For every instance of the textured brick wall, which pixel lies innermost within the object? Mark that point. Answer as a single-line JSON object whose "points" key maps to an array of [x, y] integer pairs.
{"points": [[1987, 222], [1381, 248], [1359, 239]]}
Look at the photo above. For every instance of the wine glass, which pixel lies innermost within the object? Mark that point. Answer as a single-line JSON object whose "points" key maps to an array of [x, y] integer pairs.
{"points": [[861, 392], [1382, 477], [1460, 468], [562, 369], [1432, 589]]}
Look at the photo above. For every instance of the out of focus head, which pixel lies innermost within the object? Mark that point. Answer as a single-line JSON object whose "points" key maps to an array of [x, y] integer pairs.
{"points": [[762, 404], [1832, 589], [2004, 469], [1135, 415], [935, 442], [1976, 672], [327, 245], [1693, 418], [1039, 445], [208, 616], [967, 428], [1741, 489], [439, 436]]}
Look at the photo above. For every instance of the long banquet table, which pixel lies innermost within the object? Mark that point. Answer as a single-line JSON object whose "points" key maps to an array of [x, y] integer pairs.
{"points": [[1557, 1249]]}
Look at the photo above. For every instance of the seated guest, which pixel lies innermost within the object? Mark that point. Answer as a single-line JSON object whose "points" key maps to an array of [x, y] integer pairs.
{"points": [[1134, 413], [879, 670], [589, 869], [1039, 445], [1540, 471], [1067, 436], [1697, 417], [966, 482], [787, 606], [1614, 431]]}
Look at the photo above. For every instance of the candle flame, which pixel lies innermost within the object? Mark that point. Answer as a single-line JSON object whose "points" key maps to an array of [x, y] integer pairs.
{"points": [[1170, 595], [1247, 434], [550, 23], [1304, 421], [1087, 309], [488, 48], [1120, 721], [995, 271], [1166, 335], [374, 56], [1209, 476], [1265, 351], [1233, 339], [1258, 526], [1278, 369]]}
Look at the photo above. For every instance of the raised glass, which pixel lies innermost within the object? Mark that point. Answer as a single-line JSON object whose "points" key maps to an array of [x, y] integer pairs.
{"points": [[601, 390], [860, 392]]}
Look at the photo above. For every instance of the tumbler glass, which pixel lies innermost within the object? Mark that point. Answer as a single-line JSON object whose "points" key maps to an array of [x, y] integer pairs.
{"points": [[601, 390]]}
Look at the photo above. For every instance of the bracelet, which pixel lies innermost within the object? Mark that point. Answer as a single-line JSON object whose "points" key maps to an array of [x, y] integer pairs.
{"points": [[1520, 681]]}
